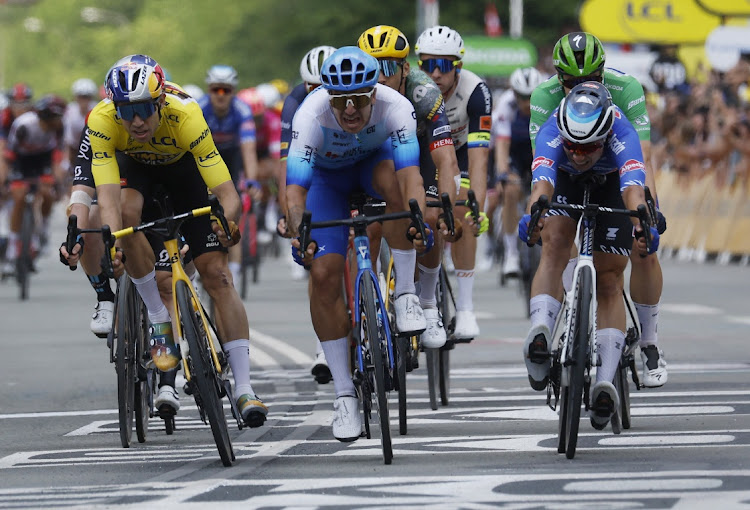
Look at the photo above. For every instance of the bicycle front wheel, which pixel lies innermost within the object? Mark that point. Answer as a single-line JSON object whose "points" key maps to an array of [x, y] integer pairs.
{"points": [[25, 262], [144, 384], [125, 357], [578, 352], [203, 371], [376, 342], [402, 358]]}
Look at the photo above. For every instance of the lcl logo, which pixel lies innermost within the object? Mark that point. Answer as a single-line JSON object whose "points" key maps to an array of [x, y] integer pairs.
{"points": [[653, 11]]}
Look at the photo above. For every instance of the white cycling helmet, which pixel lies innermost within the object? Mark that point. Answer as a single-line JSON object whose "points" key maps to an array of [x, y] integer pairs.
{"points": [[440, 40], [586, 114], [309, 68], [269, 94], [524, 80], [84, 87], [221, 74], [193, 91]]}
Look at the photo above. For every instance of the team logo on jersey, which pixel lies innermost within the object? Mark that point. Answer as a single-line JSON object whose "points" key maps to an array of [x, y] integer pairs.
{"points": [[541, 161], [631, 165], [419, 92], [441, 143], [442, 129], [485, 122], [618, 115], [642, 120]]}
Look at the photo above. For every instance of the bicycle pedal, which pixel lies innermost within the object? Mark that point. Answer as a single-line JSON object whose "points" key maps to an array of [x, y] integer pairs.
{"points": [[255, 419], [166, 412]]}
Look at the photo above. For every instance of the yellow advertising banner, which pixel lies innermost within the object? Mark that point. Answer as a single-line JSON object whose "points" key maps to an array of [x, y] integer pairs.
{"points": [[725, 7], [648, 21]]}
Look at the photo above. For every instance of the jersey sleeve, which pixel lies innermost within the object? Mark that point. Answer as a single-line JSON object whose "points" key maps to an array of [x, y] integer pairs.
{"points": [[102, 130], [305, 138], [628, 156], [402, 124], [479, 109], [212, 167], [543, 103], [548, 154], [635, 109], [291, 103]]}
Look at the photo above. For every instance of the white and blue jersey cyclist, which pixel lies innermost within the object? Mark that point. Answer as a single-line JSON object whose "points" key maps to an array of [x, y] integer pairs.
{"points": [[349, 135]]}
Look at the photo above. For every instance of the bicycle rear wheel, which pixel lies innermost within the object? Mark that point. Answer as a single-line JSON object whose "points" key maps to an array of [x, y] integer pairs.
{"points": [[621, 379], [144, 384], [377, 344], [447, 307], [578, 356], [24, 262], [402, 359], [125, 357], [203, 371], [445, 375]]}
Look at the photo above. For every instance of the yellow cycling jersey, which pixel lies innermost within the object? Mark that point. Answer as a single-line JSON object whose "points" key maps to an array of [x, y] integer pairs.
{"points": [[182, 129]]}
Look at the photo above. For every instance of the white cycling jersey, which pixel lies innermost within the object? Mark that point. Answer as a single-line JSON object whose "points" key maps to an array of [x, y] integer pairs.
{"points": [[26, 137], [470, 112]]}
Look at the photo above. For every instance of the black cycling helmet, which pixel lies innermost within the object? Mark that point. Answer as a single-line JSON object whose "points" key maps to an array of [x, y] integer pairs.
{"points": [[50, 106]]}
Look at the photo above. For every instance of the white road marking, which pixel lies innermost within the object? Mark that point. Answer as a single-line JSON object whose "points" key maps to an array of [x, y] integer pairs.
{"points": [[294, 354]]}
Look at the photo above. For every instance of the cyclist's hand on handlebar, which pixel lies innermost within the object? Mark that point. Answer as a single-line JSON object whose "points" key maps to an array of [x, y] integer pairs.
{"points": [[233, 230], [306, 259], [71, 259], [644, 250], [282, 229], [118, 263], [422, 246], [661, 222], [458, 230], [523, 230], [479, 227]]}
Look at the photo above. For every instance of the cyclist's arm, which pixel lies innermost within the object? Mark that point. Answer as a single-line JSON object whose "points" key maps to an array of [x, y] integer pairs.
{"points": [[249, 160], [637, 113], [402, 124], [296, 196], [479, 109], [291, 103], [542, 106], [630, 165], [447, 165], [247, 141], [105, 170], [108, 198], [545, 164], [440, 143], [229, 199]]}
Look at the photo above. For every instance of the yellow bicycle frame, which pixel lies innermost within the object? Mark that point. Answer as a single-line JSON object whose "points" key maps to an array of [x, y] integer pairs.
{"points": [[178, 274]]}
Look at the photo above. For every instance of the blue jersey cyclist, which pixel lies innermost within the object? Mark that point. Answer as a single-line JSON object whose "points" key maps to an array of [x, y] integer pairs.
{"points": [[586, 135], [233, 130], [352, 134]]}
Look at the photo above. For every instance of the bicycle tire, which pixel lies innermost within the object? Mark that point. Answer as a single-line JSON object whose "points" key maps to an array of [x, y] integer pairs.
{"points": [[24, 262], [375, 341], [579, 354], [402, 359], [143, 396], [433, 376], [445, 375], [624, 390], [203, 371], [125, 358], [562, 420]]}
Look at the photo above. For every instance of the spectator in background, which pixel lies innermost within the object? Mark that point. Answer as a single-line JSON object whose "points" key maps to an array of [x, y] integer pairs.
{"points": [[84, 92]]}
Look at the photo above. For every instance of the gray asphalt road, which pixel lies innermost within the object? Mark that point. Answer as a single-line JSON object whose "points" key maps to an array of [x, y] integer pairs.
{"points": [[494, 445]]}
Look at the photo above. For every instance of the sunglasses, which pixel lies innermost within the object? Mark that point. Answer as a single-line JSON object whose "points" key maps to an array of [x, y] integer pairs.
{"points": [[222, 91], [128, 111], [582, 148], [389, 67], [569, 83], [445, 65], [358, 100]]}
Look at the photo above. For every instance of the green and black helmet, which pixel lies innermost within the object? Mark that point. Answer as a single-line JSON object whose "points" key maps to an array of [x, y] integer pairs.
{"points": [[578, 54]]}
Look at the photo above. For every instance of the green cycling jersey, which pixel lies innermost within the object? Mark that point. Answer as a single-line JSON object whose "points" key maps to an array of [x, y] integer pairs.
{"points": [[627, 93]]}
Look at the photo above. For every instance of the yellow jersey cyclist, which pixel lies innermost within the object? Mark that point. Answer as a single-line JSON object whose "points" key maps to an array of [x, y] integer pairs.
{"points": [[468, 104], [147, 133], [579, 57], [437, 161]]}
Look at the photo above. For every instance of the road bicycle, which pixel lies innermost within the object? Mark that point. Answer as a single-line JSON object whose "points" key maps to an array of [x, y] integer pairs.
{"points": [[203, 362], [248, 226], [374, 357], [438, 360], [570, 373], [28, 236]]}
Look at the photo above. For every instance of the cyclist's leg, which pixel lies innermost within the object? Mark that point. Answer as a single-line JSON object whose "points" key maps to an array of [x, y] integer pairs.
{"points": [[512, 199], [327, 199], [646, 282], [17, 193], [381, 180]]}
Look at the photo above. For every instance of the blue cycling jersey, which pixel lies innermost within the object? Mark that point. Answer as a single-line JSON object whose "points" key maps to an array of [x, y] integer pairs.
{"points": [[229, 131], [291, 103], [318, 142], [622, 152]]}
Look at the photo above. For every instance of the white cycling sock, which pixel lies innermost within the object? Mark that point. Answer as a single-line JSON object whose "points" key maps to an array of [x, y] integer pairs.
{"points": [[428, 280], [609, 344], [567, 276], [238, 356], [544, 310], [648, 316], [465, 285], [318, 347], [404, 261], [510, 241], [337, 356], [149, 292], [234, 268]]}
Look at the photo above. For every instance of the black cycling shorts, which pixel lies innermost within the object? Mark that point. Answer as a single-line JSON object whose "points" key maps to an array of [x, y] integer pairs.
{"points": [[614, 232]]}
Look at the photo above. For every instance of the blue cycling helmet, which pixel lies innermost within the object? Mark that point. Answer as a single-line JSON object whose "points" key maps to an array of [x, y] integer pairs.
{"points": [[586, 114], [348, 69], [134, 78]]}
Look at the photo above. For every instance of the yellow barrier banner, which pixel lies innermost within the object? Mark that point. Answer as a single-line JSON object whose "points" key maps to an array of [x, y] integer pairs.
{"points": [[725, 7], [725, 214], [647, 21]]}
